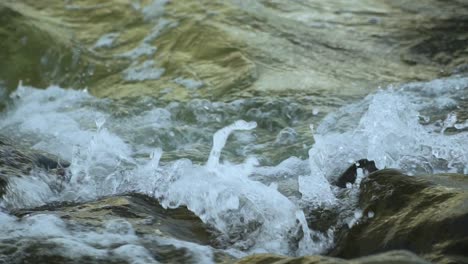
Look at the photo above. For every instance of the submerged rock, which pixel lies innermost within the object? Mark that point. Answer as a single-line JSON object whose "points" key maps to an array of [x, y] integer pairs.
{"points": [[120, 229], [145, 214], [396, 257], [427, 215], [19, 161]]}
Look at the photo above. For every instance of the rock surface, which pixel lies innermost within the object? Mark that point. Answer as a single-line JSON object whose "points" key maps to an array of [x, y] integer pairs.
{"points": [[101, 230], [19, 161], [427, 215], [396, 257], [145, 214], [225, 50]]}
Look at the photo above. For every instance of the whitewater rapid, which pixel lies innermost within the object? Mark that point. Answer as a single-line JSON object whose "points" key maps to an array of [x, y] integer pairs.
{"points": [[254, 207]]}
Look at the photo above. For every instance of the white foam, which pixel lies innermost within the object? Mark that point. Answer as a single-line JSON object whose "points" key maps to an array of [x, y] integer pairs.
{"points": [[106, 40], [143, 49], [156, 31], [66, 126], [246, 203], [437, 87], [30, 191], [143, 71], [52, 113], [385, 127], [151, 12], [222, 195], [154, 9], [93, 166], [200, 254], [77, 242], [189, 83]]}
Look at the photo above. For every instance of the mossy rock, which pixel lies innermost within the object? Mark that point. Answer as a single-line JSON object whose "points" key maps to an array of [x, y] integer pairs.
{"points": [[150, 222], [145, 214], [422, 214]]}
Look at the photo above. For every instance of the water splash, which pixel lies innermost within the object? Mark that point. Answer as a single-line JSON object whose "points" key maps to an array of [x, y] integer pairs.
{"points": [[385, 127], [250, 215], [255, 208], [43, 230], [220, 138]]}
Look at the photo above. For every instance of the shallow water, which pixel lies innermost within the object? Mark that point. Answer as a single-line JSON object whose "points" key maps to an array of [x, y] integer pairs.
{"points": [[255, 203], [246, 123]]}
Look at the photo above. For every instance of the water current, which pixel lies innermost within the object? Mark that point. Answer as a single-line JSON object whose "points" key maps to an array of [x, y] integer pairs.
{"points": [[249, 168]]}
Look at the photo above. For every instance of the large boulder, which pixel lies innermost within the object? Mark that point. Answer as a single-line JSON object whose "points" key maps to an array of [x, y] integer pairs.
{"points": [[427, 215]]}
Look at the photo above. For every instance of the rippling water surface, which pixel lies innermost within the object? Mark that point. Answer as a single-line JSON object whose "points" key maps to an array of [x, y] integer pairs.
{"points": [[251, 163], [253, 201]]}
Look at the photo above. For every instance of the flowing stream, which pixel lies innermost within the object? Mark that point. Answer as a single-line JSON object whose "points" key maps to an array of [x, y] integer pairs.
{"points": [[253, 202], [238, 110]]}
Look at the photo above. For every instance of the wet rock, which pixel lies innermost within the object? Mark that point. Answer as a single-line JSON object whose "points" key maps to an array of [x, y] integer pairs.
{"points": [[427, 215], [337, 218], [145, 214], [349, 176], [397, 257], [20, 161], [108, 231]]}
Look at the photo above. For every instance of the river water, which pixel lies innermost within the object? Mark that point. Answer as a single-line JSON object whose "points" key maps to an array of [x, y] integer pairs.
{"points": [[252, 168], [254, 202]]}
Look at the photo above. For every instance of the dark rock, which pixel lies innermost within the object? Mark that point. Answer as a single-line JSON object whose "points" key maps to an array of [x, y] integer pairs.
{"points": [[19, 161], [349, 176], [143, 212], [395, 257], [150, 222], [420, 214]]}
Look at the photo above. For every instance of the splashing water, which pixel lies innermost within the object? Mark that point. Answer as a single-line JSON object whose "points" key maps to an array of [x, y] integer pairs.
{"points": [[386, 129], [249, 214], [220, 138], [251, 206]]}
